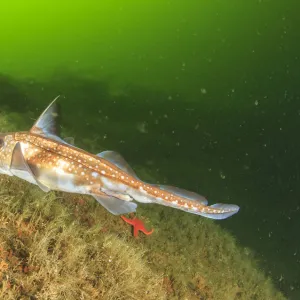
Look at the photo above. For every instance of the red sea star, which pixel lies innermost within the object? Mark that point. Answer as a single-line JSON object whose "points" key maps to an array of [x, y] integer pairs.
{"points": [[138, 225]]}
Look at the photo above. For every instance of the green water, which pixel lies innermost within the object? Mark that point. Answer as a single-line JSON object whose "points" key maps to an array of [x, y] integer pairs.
{"points": [[203, 92]]}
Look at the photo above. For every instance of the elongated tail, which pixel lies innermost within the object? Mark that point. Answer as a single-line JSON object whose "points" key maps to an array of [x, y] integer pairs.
{"points": [[197, 204], [161, 194], [218, 211]]}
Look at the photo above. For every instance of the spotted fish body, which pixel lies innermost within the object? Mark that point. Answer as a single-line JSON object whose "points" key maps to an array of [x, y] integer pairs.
{"points": [[42, 158]]}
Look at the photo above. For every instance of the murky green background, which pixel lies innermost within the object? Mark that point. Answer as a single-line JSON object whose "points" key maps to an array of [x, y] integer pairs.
{"points": [[203, 93]]}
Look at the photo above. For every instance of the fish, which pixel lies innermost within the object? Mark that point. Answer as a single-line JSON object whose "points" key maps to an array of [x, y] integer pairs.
{"points": [[41, 157]]}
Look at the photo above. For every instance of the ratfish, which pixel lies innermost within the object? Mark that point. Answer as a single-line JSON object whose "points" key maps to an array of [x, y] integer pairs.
{"points": [[41, 157]]}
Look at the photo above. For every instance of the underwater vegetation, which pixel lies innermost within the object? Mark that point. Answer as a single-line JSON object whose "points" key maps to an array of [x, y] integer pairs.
{"points": [[61, 246], [46, 254], [65, 246]]}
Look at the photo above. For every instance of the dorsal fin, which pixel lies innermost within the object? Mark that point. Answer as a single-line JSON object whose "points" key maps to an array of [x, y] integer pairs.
{"points": [[46, 123], [118, 160]]}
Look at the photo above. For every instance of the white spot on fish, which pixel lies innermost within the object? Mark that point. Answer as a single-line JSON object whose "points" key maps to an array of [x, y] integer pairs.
{"points": [[94, 174], [142, 190], [103, 172]]}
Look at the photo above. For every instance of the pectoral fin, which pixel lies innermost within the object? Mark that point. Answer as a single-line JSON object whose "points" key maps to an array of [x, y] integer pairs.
{"points": [[19, 165], [113, 204]]}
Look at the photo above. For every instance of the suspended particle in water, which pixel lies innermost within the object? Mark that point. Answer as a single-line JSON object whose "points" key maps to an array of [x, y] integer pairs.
{"points": [[203, 91], [183, 65], [256, 102], [222, 175], [149, 162], [142, 127]]}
